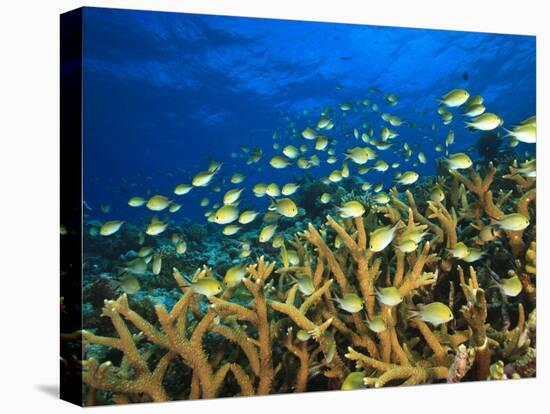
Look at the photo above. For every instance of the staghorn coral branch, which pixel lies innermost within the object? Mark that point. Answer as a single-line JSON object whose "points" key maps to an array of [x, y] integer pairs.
{"points": [[230, 308], [195, 389], [447, 220], [352, 246], [521, 182], [315, 296], [512, 341], [413, 376], [417, 215], [127, 343], [475, 183], [291, 295], [181, 306], [363, 341], [106, 377], [240, 338], [365, 361], [365, 275], [385, 345], [361, 233], [315, 238], [528, 198], [304, 323], [475, 314], [242, 378], [261, 271], [399, 268], [319, 271], [491, 209], [121, 306], [390, 372], [397, 349], [413, 280], [475, 310], [515, 238], [90, 338], [293, 313], [432, 341], [199, 357], [192, 353], [301, 352]]}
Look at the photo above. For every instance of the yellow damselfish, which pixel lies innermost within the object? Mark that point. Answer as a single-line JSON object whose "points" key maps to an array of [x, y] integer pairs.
{"points": [[454, 98], [158, 203], [352, 209], [285, 207], [380, 238], [389, 296], [435, 313], [267, 233], [514, 222], [234, 275], [226, 214], [248, 216], [110, 227], [350, 302]]}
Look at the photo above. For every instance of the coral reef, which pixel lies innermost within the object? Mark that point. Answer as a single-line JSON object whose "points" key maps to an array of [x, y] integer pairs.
{"points": [[268, 334]]}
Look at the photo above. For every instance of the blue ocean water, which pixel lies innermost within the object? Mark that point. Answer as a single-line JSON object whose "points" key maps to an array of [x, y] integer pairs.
{"points": [[165, 93]]}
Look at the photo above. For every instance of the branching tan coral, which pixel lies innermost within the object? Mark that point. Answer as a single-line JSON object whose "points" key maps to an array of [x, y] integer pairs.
{"points": [[475, 314], [404, 208], [447, 219], [390, 372], [481, 187], [273, 333]]}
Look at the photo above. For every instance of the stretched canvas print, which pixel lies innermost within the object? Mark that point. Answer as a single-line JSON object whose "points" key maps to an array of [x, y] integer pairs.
{"points": [[259, 206]]}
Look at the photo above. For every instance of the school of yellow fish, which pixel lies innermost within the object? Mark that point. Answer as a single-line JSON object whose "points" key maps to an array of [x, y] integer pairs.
{"points": [[375, 308], [226, 212]]}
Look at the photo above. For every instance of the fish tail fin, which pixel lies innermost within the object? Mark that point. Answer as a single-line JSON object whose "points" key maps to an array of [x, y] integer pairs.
{"points": [[273, 205], [477, 226], [508, 133], [492, 273], [469, 125], [368, 320], [412, 314], [493, 284]]}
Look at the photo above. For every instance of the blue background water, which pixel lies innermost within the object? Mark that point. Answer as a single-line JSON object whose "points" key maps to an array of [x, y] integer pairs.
{"points": [[166, 92]]}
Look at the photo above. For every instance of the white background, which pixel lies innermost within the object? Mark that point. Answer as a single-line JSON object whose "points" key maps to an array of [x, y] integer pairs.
{"points": [[29, 193]]}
